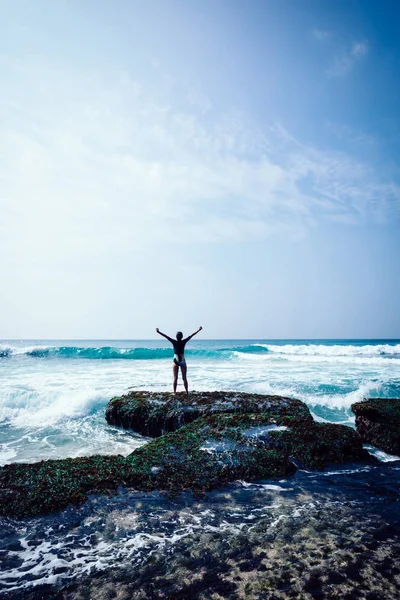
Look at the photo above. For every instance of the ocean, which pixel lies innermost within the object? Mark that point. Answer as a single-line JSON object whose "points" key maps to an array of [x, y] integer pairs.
{"points": [[53, 394]]}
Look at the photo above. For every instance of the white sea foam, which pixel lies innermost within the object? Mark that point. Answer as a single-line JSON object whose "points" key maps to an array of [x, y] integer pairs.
{"points": [[121, 538], [7, 454], [381, 455], [316, 357], [334, 350], [43, 403], [342, 401], [262, 430], [263, 486], [54, 422], [55, 407], [362, 469]]}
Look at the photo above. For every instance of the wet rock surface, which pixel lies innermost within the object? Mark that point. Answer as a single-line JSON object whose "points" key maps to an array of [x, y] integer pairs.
{"points": [[319, 535], [316, 445], [155, 413], [378, 423], [206, 454]]}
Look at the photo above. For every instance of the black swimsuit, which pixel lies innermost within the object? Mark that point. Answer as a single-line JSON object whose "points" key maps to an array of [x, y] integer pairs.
{"points": [[179, 350]]}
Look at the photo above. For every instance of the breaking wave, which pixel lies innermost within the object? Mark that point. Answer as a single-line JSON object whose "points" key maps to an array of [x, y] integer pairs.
{"points": [[301, 352], [331, 350], [104, 353]]}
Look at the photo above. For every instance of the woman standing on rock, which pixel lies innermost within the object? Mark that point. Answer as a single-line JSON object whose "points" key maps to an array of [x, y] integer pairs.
{"points": [[179, 356]]}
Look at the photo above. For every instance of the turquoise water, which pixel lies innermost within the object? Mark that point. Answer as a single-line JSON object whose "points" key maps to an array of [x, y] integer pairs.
{"points": [[53, 393]]}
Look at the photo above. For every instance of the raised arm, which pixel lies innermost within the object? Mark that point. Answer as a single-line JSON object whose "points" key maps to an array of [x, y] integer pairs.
{"points": [[164, 335], [194, 333]]}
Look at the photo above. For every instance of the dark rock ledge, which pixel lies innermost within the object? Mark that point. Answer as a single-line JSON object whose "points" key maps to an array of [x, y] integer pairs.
{"points": [[270, 440], [378, 423], [156, 413]]}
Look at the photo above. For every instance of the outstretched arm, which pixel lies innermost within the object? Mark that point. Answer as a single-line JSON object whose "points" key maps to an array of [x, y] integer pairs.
{"points": [[164, 335], [194, 333]]}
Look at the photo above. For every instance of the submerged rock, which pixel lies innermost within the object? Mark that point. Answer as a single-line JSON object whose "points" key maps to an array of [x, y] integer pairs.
{"points": [[378, 423], [155, 413], [208, 453], [330, 538]]}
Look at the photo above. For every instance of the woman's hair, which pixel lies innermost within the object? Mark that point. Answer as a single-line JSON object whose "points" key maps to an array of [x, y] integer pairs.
{"points": [[179, 335]]}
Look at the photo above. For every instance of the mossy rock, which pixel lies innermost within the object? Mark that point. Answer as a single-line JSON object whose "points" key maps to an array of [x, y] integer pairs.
{"points": [[378, 423], [205, 454], [155, 413], [46, 486], [174, 462], [208, 453], [315, 446]]}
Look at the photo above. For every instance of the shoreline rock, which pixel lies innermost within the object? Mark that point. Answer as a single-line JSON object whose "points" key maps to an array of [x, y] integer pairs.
{"points": [[156, 413], [211, 451], [378, 423]]}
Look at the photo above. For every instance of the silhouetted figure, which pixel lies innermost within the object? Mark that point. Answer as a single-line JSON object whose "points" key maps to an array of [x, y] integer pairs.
{"points": [[179, 356]]}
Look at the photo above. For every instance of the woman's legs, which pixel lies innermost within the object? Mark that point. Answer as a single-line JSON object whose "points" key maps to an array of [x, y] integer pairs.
{"points": [[175, 371], [184, 370]]}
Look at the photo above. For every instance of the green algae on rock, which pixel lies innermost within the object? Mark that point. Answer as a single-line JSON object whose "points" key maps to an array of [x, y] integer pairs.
{"points": [[46, 486], [378, 423], [209, 453], [205, 454], [155, 413], [316, 445], [174, 462]]}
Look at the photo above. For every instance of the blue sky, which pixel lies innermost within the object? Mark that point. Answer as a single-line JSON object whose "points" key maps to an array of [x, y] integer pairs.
{"points": [[225, 163]]}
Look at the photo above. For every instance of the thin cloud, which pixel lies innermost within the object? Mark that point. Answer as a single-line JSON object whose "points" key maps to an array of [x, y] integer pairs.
{"points": [[89, 163], [359, 49], [321, 34], [351, 135], [345, 61]]}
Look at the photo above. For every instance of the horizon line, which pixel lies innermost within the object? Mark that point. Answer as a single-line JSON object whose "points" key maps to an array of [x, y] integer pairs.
{"points": [[61, 339]]}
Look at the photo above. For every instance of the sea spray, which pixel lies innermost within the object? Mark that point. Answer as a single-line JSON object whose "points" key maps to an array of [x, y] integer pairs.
{"points": [[53, 394]]}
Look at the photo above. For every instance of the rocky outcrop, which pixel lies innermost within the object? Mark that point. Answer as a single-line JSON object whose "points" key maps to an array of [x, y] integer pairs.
{"points": [[208, 453], [378, 423], [155, 413]]}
